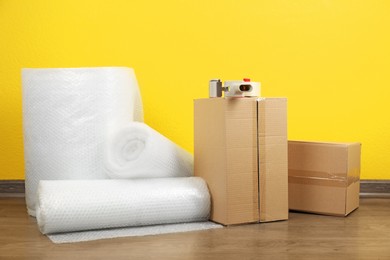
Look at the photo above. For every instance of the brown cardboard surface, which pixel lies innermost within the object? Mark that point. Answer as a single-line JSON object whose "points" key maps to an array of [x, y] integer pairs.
{"points": [[210, 151], [317, 198], [353, 189], [226, 155], [324, 177], [352, 197], [272, 138]]}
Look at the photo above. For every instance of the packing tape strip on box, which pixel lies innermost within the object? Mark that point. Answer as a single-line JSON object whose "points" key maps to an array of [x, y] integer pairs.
{"points": [[323, 178]]}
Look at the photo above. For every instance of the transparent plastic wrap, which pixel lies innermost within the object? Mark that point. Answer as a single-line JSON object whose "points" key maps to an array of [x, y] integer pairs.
{"points": [[90, 235], [77, 205], [67, 115], [138, 151], [80, 236]]}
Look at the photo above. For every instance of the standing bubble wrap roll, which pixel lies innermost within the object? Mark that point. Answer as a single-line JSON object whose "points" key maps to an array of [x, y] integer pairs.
{"points": [[77, 205], [138, 151], [67, 115]]}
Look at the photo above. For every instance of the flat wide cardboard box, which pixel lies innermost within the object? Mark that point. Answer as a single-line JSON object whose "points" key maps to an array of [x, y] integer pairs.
{"points": [[324, 177], [240, 149]]}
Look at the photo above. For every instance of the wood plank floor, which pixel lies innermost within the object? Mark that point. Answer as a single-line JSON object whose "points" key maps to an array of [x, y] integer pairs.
{"points": [[365, 234]]}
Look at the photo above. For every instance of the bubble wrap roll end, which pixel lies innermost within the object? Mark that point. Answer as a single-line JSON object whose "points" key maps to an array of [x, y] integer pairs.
{"points": [[139, 151], [77, 205]]}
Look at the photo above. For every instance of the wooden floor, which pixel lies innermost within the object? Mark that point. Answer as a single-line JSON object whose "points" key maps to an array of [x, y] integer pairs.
{"points": [[365, 234]]}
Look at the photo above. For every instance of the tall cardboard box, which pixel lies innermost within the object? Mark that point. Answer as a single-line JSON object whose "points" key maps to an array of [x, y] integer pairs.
{"points": [[240, 149], [324, 177]]}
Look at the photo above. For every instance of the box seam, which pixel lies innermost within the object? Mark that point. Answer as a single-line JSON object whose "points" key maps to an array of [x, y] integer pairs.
{"points": [[227, 216], [258, 160]]}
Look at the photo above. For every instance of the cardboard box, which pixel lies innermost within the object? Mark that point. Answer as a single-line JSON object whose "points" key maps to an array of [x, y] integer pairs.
{"points": [[324, 177], [240, 149]]}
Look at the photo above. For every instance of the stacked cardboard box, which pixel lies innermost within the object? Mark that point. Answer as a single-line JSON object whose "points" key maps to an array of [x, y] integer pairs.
{"points": [[240, 149], [324, 177]]}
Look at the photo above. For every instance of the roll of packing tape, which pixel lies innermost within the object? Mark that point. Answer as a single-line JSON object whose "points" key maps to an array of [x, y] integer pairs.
{"points": [[244, 88]]}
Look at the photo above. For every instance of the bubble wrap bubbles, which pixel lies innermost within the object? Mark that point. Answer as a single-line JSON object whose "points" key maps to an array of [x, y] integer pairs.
{"points": [[138, 151], [89, 235], [67, 115], [76, 205]]}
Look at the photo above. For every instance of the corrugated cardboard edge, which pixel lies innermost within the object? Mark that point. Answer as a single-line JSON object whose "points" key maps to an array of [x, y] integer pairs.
{"points": [[272, 145], [240, 119], [353, 189]]}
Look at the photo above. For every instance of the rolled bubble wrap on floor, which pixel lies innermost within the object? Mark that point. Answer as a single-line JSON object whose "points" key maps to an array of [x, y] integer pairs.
{"points": [[67, 115], [139, 151], [89, 235], [77, 205]]}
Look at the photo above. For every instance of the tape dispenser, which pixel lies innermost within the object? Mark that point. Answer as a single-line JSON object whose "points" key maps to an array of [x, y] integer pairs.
{"points": [[234, 88]]}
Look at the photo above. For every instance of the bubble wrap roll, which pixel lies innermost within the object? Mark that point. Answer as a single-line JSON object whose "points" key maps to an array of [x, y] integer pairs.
{"points": [[76, 205], [67, 116], [138, 151]]}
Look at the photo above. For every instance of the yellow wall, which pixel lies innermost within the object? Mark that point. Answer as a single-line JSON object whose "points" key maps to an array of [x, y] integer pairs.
{"points": [[331, 58]]}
